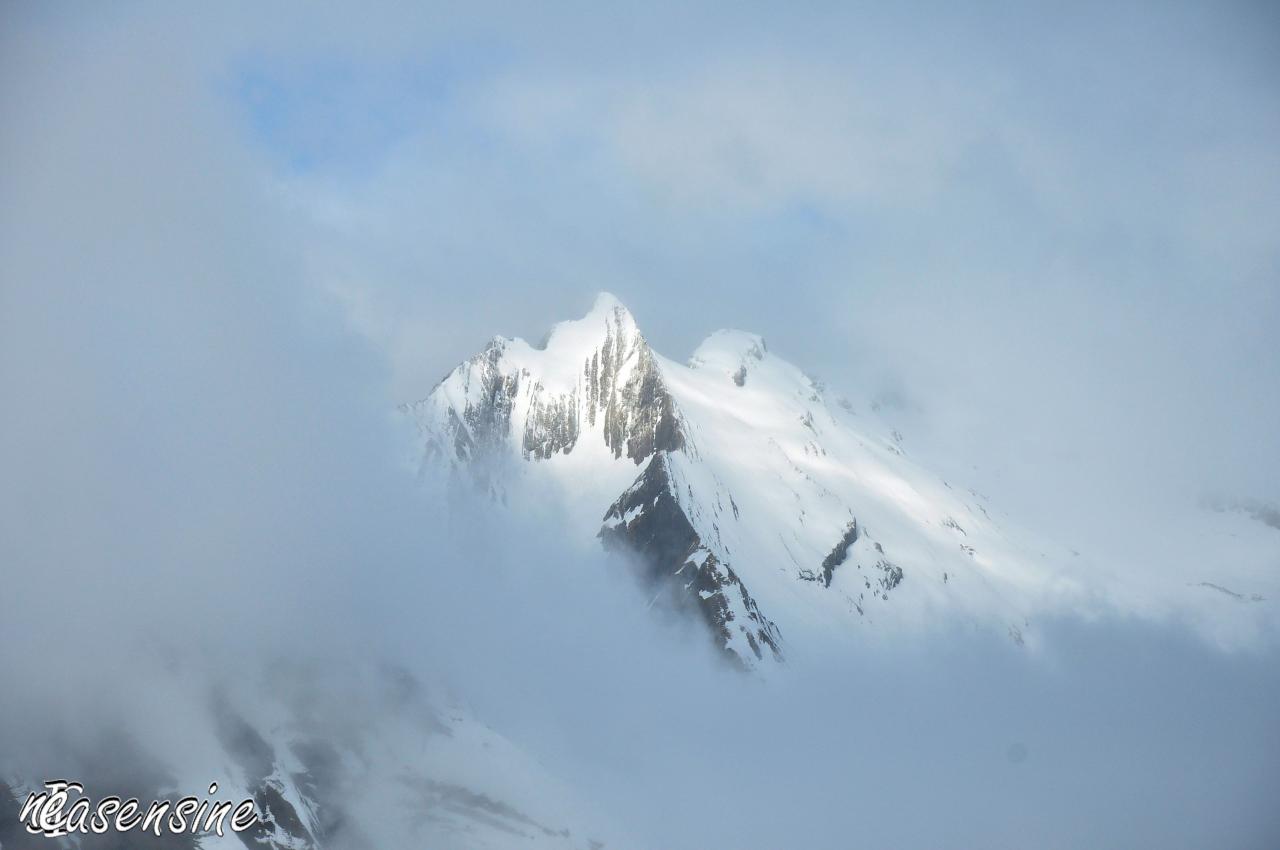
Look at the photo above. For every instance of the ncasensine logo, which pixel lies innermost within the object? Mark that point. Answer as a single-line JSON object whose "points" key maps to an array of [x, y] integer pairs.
{"points": [[63, 808]]}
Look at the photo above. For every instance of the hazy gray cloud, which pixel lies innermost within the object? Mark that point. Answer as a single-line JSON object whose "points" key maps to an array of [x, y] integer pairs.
{"points": [[1061, 272], [1047, 235]]}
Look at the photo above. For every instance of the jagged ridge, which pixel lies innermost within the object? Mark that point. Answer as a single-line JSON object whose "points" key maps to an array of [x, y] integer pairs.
{"points": [[758, 507]]}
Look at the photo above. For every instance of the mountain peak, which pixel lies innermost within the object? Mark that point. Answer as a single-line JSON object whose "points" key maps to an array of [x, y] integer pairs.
{"points": [[745, 501], [733, 352], [607, 303], [608, 317], [732, 343]]}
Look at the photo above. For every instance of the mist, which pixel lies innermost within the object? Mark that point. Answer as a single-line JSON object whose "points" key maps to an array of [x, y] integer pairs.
{"points": [[230, 245]]}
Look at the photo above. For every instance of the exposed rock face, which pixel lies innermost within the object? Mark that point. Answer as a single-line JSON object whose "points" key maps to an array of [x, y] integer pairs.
{"points": [[621, 390], [280, 823], [494, 401], [552, 425], [891, 578], [482, 423], [840, 553], [649, 520], [625, 390]]}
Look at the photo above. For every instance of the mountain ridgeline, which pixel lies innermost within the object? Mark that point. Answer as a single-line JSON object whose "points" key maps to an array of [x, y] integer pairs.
{"points": [[752, 503]]}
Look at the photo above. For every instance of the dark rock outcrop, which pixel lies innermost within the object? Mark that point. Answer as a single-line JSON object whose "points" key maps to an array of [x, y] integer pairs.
{"points": [[649, 521], [840, 553]]}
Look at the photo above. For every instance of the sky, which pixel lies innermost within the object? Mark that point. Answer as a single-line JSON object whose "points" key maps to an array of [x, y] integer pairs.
{"points": [[233, 238], [1018, 222]]}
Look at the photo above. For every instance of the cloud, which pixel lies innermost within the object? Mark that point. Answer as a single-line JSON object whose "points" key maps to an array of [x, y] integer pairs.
{"points": [[196, 447], [739, 136], [1022, 231]]}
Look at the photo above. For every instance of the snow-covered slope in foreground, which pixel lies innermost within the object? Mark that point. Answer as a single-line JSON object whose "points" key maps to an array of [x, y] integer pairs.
{"points": [[334, 755], [774, 514]]}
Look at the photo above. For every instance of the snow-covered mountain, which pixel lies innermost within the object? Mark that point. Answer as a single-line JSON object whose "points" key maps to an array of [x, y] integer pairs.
{"points": [[773, 513], [335, 755]]}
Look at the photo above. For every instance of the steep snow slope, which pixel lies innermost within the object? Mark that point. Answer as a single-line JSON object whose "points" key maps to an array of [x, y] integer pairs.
{"points": [[755, 502]]}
